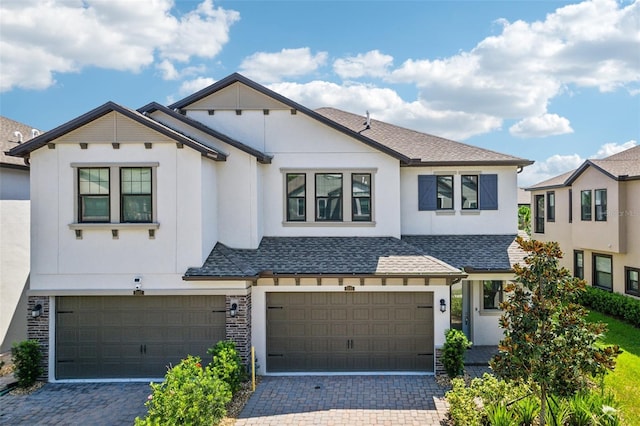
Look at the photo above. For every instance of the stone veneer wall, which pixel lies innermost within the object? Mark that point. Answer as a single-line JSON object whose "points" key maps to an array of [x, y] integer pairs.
{"points": [[439, 366], [239, 328], [38, 329]]}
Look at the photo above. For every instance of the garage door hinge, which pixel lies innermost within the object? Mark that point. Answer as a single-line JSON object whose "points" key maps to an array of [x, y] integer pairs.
{"points": [[424, 307], [61, 361], [280, 355], [275, 307], [425, 354], [65, 312], [221, 310]]}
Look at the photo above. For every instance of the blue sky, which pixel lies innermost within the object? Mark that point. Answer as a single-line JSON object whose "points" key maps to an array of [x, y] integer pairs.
{"points": [[553, 81]]}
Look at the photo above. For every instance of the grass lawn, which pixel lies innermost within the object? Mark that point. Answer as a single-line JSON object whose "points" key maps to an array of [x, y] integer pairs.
{"points": [[624, 381]]}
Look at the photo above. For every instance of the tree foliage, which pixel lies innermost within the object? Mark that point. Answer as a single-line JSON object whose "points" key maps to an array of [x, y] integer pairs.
{"points": [[547, 339], [524, 219]]}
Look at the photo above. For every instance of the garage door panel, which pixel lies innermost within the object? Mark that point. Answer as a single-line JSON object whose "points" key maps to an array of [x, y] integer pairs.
{"points": [[363, 331], [295, 314], [109, 345]]}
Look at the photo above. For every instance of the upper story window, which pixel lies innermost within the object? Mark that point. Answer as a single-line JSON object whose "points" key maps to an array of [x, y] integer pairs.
{"points": [[632, 277], [539, 214], [119, 193], [469, 192], [328, 197], [578, 264], [361, 197], [445, 192], [551, 206], [478, 192], [93, 194], [135, 194], [603, 271], [296, 197], [492, 294], [585, 205], [600, 196], [570, 206]]}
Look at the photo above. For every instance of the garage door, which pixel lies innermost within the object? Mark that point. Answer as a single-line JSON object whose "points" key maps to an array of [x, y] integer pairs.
{"points": [[349, 332], [133, 336]]}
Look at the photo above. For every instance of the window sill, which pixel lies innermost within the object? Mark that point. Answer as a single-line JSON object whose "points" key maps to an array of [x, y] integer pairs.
{"points": [[328, 224], [111, 225], [445, 212], [470, 212]]}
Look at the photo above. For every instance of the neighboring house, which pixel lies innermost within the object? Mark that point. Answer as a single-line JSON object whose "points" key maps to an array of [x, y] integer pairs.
{"points": [[593, 212], [14, 234], [328, 241], [524, 198]]}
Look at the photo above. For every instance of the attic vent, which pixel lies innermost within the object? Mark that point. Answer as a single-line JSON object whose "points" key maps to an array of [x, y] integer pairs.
{"points": [[18, 136], [34, 133], [367, 123]]}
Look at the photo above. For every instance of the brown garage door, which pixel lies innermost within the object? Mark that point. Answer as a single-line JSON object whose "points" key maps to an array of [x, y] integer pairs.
{"points": [[133, 336], [349, 332]]}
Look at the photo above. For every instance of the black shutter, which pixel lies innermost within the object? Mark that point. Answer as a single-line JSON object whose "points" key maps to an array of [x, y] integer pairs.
{"points": [[488, 192], [427, 198]]}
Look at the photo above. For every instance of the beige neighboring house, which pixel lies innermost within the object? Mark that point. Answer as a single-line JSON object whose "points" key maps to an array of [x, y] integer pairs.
{"points": [[14, 234], [594, 214]]}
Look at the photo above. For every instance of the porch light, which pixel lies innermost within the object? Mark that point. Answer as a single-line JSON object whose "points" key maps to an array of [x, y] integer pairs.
{"points": [[36, 311], [234, 310], [443, 305]]}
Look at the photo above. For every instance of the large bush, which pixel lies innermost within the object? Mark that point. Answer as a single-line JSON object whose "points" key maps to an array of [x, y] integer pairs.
{"points": [[455, 345], [190, 395], [26, 357], [614, 304], [227, 364]]}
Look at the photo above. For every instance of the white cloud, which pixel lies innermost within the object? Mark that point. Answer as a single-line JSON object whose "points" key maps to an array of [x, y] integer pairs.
{"points": [[541, 126], [613, 148], [559, 164], [268, 67], [386, 105], [372, 63], [41, 38], [168, 70], [516, 73], [189, 87]]}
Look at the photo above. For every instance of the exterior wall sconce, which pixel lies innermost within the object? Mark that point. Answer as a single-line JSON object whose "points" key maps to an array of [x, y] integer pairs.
{"points": [[234, 310], [36, 311], [443, 305]]}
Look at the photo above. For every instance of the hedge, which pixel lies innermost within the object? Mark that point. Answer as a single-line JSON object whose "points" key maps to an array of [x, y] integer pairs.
{"points": [[613, 304]]}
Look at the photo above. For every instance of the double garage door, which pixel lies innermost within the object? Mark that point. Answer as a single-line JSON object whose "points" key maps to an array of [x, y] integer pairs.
{"points": [[133, 336], [350, 331]]}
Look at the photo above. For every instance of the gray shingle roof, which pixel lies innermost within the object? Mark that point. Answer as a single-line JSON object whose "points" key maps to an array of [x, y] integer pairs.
{"points": [[322, 255], [420, 147], [472, 252], [9, 140]]}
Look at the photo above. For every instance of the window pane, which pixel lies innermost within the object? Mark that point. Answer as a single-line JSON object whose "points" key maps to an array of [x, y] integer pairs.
{"points": [[551, 206], [296, 209], [94, 209], [93, 181], [136, 208], [296, 185], [361, 197], [135, 180], [329, 185], [539, 214], [603, 264], [470, 192], [585, 203], [492, 294], [361, 185], [601, 204], [329, 196], [445, 192], [633, 275]]}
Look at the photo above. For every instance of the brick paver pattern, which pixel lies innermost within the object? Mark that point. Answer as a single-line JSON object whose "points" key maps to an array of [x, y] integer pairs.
{"points": [[345, 400]]}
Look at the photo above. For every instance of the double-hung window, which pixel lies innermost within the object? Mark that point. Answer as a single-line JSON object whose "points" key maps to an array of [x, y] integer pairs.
{"points": [[539, 214], [600, 196], [585, 204], [135, 195], [632, 277], [93, 194], [492, 294], [551, 206], [603, 271], [578, 264], [328, 197], [361, 197], [296, 197], [469, 192], [444, 192]]}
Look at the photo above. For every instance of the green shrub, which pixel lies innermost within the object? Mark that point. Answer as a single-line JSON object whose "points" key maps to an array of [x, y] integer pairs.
{"points": [[468, 405], [593, 408], [455, 345], [498, 415], [26, 357], [526, 411], [614, 304], [227, 364], [189, 395]]}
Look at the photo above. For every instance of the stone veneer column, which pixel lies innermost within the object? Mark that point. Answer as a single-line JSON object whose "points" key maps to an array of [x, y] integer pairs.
{"points": [[239, 328], [38, 329], [439, 366]]}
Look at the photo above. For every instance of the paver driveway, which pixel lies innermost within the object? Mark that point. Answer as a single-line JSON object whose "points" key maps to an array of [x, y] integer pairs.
{"points": [[345, 400]]}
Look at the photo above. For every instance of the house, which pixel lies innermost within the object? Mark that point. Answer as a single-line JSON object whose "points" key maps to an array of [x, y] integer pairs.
{"points": [[593, 212], [14, 234], [328, 241]]}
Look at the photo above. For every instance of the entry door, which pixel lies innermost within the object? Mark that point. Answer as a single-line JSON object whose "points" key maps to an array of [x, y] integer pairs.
{"points": [[347, 331], [460, 310]]}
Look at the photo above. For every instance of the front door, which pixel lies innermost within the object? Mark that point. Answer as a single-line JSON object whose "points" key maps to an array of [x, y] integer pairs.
{"points": [[461, 307]]}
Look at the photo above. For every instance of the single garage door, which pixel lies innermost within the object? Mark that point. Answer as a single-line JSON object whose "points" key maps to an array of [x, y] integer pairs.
{"points": [[349, 332], [133, 336]]}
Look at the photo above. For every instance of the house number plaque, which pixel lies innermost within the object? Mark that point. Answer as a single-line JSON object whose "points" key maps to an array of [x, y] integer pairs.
{"points": [[349, 288]]}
